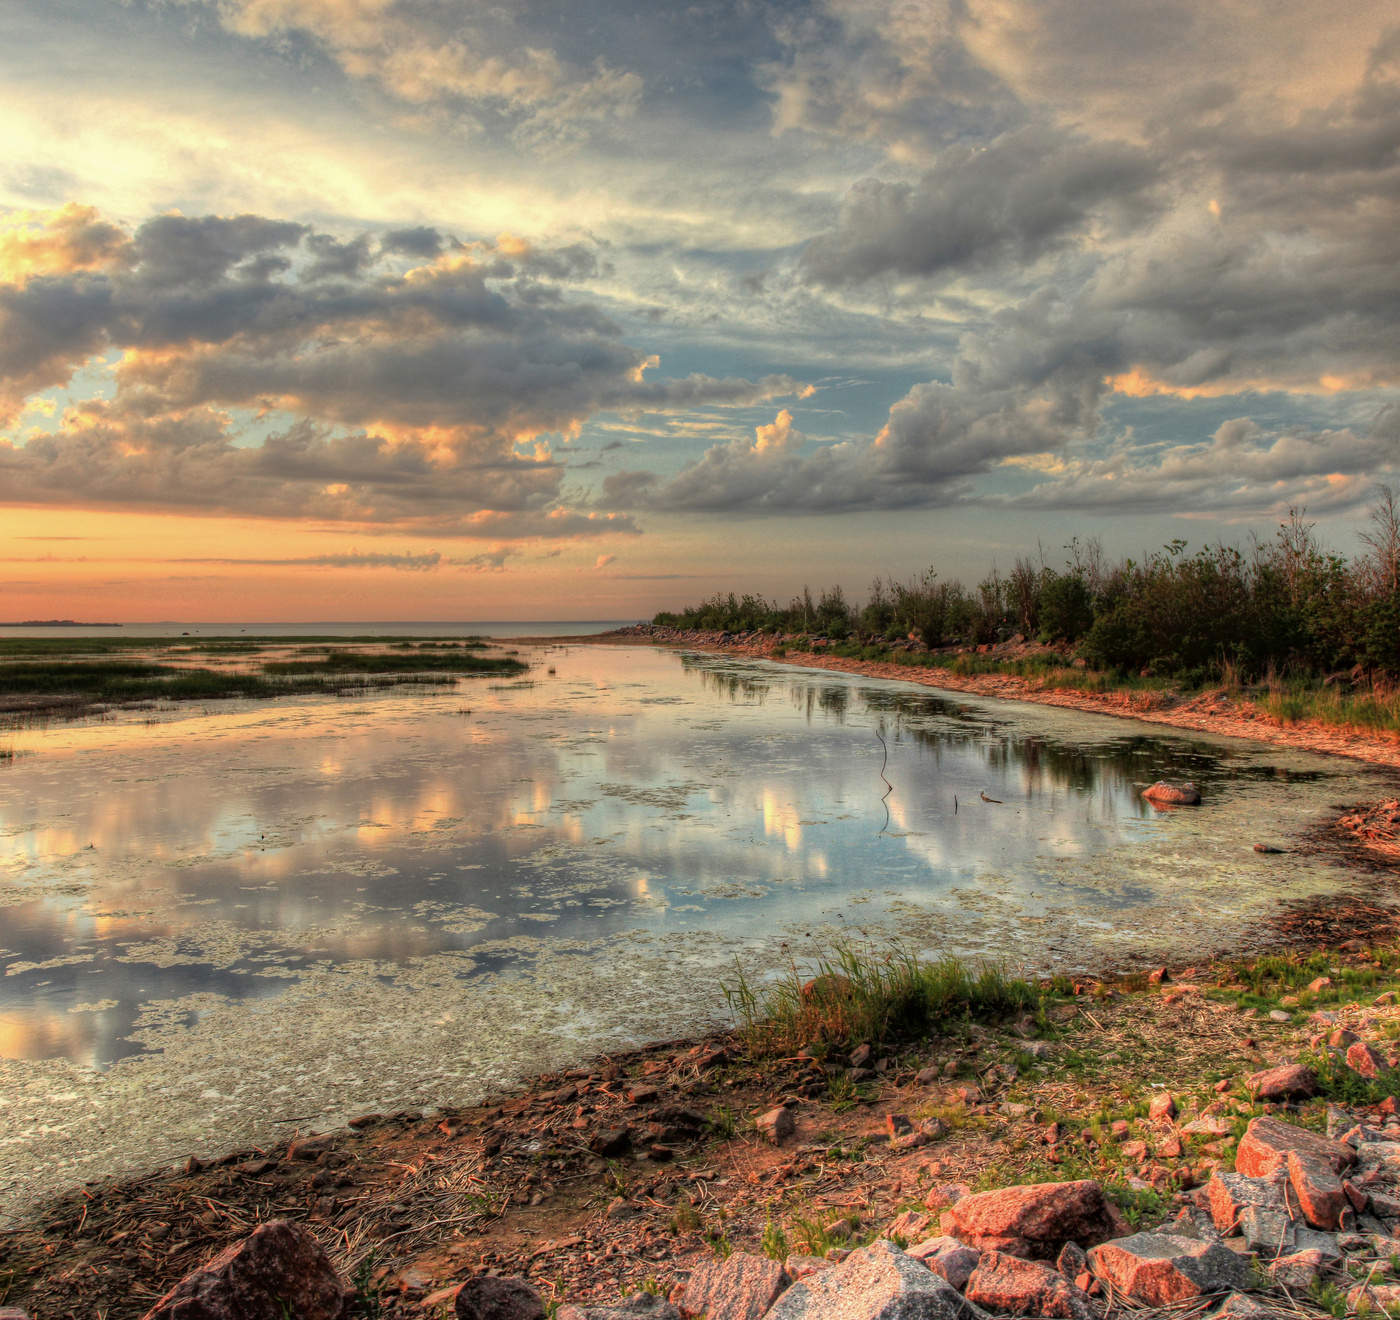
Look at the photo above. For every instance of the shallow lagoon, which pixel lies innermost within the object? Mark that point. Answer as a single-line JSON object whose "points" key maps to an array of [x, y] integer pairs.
{"points": [[218, 926]]}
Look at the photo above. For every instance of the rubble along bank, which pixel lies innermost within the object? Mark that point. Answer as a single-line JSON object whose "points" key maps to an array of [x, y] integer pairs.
{"points": [[1209, 712], [636, 1169]]}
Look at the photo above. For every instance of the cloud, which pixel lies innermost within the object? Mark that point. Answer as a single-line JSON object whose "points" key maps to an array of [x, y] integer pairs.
{"points": [[1243, 468], [1027, 193], [482, 61], [408, 562], [69, 239], [424, 395], [489, 561], [603, 561]]}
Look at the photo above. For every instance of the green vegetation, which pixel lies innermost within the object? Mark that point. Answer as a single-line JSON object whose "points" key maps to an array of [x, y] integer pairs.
{"points": [[67, 677], [855, 996], [1287, 613], [397, 662]]}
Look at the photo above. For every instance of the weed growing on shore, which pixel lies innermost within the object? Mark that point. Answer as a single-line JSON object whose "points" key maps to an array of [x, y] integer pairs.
{"points": [[855, 995]]}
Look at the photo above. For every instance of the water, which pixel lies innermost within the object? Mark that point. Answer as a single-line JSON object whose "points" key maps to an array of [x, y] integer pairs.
{"points": [[217, 925]]}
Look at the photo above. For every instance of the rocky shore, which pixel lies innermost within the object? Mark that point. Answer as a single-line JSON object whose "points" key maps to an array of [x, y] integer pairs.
{"points": [[1223, 1136], [1217, 712]]}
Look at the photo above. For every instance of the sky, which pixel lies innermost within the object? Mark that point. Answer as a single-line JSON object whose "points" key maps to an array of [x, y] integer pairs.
{"points": [[436, 309]]}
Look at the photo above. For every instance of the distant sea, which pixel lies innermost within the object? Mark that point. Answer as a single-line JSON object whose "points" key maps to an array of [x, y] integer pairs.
{"points": [[371, 628]]}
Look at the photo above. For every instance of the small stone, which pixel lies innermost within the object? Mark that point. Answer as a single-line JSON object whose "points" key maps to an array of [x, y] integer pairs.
{"points": [[640, 1306], [611, 1141], [1267, 1232], [1159, 1269], [1267, 1141], [1318, 1188], [1025, 1287], [1361, 1058], [1240, 1306], [912, 1226], [878, 1282], [1326, 1245], [1163, 1106], [1034, 1220], [740, 1287], [861, 1056], [1119, 1128], [1297, 1272], [776, 1125], [1134, 1150], [1072, 1261], [1373, 1298], [941, 1197], [1319, 984], [1229, 1194], [927, 1076], [486, 1297], [801, 1267], [948, 1258], [1209, 1126], [279, 1268], [1290, 1081], [1170, 1149], [308, 1148], [897, 1125], [1278, 1015]]}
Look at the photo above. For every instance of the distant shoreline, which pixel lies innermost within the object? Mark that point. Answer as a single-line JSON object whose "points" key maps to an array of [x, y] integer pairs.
{"points": [[57, 623]]}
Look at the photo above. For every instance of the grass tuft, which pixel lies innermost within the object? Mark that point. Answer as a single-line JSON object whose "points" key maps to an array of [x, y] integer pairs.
{"points": [[856, 995]]}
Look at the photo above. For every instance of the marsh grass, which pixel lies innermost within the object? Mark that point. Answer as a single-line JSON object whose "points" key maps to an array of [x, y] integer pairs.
{"points": [[71, 677], [1374, 708], [384, 662], [75, 687], [854, 995]]}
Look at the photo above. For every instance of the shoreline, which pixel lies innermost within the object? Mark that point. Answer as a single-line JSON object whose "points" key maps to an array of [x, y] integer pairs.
{"points": [[1210, 712], [630, 1170], [537, 1182]]}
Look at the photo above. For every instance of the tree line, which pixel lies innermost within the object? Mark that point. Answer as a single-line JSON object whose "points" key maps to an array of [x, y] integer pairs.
{"points": [[1286, 605]]}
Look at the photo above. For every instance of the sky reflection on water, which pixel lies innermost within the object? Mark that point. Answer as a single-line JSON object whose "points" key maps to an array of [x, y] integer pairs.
{"points": [[145, 864]]}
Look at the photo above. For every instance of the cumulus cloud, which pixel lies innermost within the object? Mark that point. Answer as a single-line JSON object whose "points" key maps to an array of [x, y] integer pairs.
{"points": [[424, 395], [1242, 468]]}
